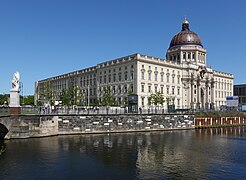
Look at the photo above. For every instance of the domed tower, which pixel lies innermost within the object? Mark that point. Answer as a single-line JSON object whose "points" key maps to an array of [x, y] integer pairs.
{"points": [[186, 47]]}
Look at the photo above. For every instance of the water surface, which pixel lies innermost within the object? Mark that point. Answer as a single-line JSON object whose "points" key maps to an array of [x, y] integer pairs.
{"points": [[191, 154]]}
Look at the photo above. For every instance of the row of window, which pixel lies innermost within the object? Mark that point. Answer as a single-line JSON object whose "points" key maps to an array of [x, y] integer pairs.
{"points": [[220, 94], [156, 69], [109, 71], [117, 89], [169, 90], [240, 91], [186, 55], [161, 77], [114, 78], [223, 85]]}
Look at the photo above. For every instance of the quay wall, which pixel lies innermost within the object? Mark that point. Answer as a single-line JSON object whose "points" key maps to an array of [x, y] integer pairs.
{"points": [[26, 126]]}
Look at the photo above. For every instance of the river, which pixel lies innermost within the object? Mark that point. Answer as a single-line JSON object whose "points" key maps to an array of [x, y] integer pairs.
{"points": [[191, 154]]}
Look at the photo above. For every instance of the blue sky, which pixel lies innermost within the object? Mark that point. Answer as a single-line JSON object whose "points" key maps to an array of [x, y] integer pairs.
{"points": [[44, 38]]}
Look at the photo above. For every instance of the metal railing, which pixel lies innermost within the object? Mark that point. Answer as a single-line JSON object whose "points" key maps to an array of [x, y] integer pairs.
{"points": [[75, 110]]}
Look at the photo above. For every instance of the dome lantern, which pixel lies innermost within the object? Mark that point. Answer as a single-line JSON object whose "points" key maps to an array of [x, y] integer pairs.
{"points": [[185, 37]]}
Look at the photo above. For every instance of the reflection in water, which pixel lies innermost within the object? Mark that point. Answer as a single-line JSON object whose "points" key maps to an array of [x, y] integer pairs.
{"points": [[2, 147], [199, 154]]}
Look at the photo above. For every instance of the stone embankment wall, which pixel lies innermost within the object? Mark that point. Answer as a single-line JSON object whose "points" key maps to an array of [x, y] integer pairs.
{"points": [[219, 122], [29, 126], [123, 123], [40, 126]]}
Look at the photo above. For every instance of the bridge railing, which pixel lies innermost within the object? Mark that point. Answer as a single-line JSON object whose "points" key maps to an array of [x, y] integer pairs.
{"points": [[4, 111], [84, 110]]}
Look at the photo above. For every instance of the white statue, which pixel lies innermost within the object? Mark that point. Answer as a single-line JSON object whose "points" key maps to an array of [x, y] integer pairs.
{"points": [[15, 81]]}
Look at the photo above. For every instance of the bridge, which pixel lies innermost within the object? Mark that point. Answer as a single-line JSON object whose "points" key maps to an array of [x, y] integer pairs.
{"points": [[24, 126]]}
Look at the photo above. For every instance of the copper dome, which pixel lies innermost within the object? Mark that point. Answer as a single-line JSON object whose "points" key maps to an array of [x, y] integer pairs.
{"points": [[185, 37]]}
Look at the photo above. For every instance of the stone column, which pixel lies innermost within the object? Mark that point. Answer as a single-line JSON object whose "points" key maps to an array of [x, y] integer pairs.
{"points": [[207, 96], [198, 93], [196, 60], [192, 91], [212, 94]]}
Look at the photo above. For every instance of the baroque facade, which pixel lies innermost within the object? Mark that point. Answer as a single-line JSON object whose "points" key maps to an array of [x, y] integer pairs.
{"points": [[182, 76]]}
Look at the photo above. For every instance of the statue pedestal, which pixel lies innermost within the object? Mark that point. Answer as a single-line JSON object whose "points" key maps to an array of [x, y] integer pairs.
{"points": [[14, 103], [15, 110]]}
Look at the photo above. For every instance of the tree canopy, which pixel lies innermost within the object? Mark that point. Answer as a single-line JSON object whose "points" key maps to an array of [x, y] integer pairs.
{"points": [[157, 99]]}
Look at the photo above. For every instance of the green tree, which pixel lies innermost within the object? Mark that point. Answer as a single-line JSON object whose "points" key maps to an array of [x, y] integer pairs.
{"points": [[170, 99], [75, 95], [107, 99], [4, 99], [48, 93], [157, 99], [71, 96], [27, 100], [64, 97]]}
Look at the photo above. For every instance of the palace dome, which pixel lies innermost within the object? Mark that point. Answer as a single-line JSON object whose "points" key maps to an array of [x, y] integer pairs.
{"points": [[185, 37]]}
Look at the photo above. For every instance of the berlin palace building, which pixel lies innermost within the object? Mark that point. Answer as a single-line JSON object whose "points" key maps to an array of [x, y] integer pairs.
{"points": [[183, 75]]}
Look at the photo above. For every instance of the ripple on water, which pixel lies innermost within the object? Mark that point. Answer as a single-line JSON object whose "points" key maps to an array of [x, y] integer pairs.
{"points": [[201, 154]]}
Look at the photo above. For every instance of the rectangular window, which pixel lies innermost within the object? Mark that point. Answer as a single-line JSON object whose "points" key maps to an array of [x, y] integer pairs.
{"points": [[125, 89], [119, 89], [162, 78], [119, 76], [132, 75], [155, 89], [173, 90], [125, 76], [113, 89], [156, 77], [149, 76], [162, 89], [94, 80], [109, 78], [149, 90], [149, 101], [142, 87], [100, 79], [142, 75], [173, 77], [142, 101], [114, 77], [167, 90]]}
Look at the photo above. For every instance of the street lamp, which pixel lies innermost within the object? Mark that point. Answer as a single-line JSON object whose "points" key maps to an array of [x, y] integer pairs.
{"points": [[22, 91], [88, 96]]}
